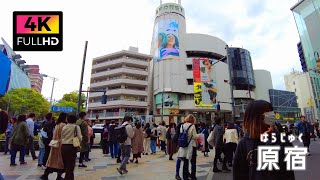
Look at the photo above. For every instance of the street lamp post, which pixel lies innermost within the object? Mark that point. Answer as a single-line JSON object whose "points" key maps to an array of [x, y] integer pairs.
{"points": [[53, 82]]}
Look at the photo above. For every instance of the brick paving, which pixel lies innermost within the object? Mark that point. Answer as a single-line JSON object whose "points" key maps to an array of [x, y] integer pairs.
{"points": [[103, 167]]}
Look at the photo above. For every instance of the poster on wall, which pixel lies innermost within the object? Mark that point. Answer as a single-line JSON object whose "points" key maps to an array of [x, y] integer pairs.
{"points": [[205, 86], [170, 100], [166, 40]]}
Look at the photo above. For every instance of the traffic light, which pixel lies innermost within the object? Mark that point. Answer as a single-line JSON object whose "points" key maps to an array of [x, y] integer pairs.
{"points": [[104, 99]]}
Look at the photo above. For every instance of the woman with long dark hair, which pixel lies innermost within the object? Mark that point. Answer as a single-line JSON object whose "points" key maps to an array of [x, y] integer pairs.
{"points": [[258, 119], [55, 162], [69, 154], [172, 147], [137, 142], [19, 140], [230, 138]]}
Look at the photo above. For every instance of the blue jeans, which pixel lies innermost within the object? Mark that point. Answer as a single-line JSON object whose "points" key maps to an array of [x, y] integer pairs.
{"points": [[40, 156], [6, 145], [114, 148], [14, 150], [178, 164], [153, 146], [1, 177]]}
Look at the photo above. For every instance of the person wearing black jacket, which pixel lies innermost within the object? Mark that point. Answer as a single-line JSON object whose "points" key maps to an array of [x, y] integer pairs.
{"points": [[48, 127], [257, 121]]}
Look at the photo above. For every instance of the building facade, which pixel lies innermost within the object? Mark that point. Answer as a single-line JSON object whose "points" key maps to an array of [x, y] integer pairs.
{"points": [[263, 82], [302, 59], [307, 16], [124, 77], [285, 106], [299, 83], [242, 79], [13, 72], [186, 74], [36, 78]]}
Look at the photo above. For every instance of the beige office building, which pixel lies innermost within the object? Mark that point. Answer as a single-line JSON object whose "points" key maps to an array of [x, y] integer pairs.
{"points": [[124, 77], [298, 82]]}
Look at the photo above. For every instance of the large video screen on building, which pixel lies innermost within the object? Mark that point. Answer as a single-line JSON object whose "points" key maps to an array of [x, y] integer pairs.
{"points": [[5, 65], [205, 84], [166, 40]]}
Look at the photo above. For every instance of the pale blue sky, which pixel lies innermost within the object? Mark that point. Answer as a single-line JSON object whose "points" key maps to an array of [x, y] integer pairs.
{"points": [[265, 27]]}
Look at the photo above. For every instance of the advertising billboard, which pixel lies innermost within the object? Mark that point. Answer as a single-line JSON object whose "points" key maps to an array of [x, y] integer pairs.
{"points": [[166, 40], [5, 64], [205, 85]]}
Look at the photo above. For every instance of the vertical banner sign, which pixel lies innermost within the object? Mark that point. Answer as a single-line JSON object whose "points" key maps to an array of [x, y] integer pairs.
{"points": [[205, 86], [37, 31]]}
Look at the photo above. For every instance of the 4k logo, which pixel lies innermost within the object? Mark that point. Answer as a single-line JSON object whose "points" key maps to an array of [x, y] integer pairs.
{"points": [[37, 31]]}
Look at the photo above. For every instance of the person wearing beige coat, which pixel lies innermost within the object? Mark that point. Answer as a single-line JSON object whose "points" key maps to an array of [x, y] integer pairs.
{"points": [[55, 161], [137, 142]]}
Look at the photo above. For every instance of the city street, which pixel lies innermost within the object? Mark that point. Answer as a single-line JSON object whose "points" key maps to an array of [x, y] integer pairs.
{"points": [[149, 167]]}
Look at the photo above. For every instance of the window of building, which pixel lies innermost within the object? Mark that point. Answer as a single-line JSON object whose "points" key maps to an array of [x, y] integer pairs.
{"points": [[294, 83], [190, 81], [189, 67]]}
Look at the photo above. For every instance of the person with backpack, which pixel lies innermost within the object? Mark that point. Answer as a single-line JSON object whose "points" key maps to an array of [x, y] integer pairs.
{"points": [[105, 138], [171, 144], [175, 140], [113, 144], [153, 139], [146, 141], [188, 147], [124, 135], [258, 119]]}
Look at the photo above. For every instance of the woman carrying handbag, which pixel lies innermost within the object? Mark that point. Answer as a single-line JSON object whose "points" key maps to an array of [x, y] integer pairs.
{"points": [[55, 162], [70, 139]]}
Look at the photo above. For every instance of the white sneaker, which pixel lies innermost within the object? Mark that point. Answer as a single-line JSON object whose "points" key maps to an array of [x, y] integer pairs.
{"points": [[43, 167]]}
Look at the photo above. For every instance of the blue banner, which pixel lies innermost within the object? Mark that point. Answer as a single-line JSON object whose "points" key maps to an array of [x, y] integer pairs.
{"points": [[5, 65]]}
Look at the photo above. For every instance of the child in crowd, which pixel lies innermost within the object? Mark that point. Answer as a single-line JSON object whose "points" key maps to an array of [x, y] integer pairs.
{"points": [[43, 134]]}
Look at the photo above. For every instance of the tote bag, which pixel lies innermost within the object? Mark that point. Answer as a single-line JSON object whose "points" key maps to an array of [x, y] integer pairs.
{"points": [[75, 140]]}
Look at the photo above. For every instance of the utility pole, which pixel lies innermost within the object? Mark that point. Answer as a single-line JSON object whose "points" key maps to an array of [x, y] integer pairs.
{"points": [[81, 78]]}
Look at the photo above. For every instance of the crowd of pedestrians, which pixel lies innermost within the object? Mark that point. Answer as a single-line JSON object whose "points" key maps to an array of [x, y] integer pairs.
{"points": [[235, 145]]}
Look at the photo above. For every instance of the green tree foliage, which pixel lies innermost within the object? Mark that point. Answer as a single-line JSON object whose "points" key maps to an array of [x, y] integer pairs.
{"points": [[73, 97], [24, 100], [71, 100]]}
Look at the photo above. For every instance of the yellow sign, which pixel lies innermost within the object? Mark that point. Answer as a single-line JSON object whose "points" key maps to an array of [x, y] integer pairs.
{"points": [[278, 116], [309, 102]]}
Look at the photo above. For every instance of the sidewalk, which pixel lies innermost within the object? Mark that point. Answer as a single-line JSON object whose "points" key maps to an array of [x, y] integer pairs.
{"points": [[156, 167]]}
